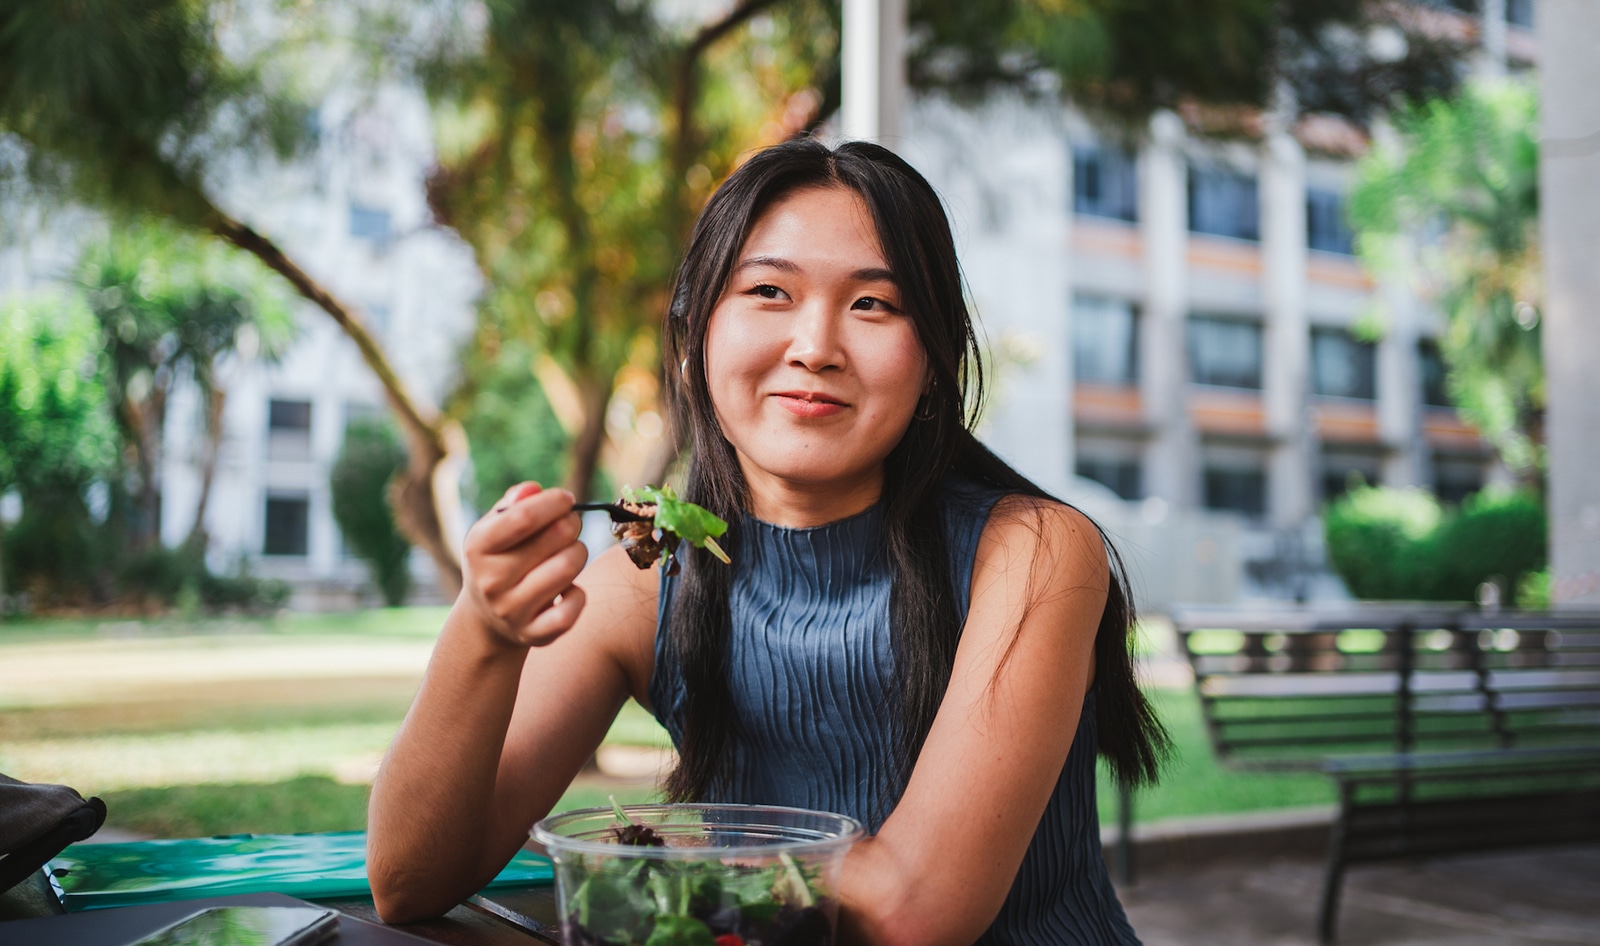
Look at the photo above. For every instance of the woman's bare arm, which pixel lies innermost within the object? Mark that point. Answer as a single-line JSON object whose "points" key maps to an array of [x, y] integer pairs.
{"points": [[520, 690], [940, 867]]}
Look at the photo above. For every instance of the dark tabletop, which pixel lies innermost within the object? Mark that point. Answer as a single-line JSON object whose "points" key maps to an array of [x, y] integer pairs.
{"points": [[505, 917]]}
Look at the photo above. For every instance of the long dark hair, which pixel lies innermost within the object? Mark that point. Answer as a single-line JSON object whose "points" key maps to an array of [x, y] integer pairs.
{"points": [[917, 244]]}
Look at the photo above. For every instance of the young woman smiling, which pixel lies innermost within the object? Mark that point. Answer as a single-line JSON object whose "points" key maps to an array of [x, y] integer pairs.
{"points": [[911, 633]]}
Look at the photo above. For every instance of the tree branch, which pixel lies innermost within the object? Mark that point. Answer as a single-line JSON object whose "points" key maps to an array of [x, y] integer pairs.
{"points": [[688, 88]]}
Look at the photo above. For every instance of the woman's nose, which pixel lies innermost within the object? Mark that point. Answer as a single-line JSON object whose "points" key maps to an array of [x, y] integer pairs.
{"points": [[815, 341]]}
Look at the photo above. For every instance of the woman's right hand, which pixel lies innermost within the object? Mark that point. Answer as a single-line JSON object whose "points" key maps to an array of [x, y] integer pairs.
{"points": [[518, 565]]}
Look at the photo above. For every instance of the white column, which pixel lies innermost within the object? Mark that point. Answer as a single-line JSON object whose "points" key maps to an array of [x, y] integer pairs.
{"points": [[1569, 45], [1405, 462], [1492, 57], [1286, 373], [1171, 469], [873, 71]]}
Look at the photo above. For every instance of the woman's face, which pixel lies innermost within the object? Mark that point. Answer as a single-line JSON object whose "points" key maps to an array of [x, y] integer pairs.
{"points": [[813, 367]]}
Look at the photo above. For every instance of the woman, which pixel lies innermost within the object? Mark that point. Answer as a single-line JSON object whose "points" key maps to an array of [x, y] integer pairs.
{"points": [[911, 633]]}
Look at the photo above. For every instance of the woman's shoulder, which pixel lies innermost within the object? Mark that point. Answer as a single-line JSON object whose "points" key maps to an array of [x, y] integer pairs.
{"points": [[1003, 510], [1048, 539]]}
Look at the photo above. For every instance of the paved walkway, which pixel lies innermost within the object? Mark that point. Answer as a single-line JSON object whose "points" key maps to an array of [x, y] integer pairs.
{"points": [[1515, 899]]}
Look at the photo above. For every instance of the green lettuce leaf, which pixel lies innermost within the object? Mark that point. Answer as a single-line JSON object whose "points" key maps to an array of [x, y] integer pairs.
{"points": [[694, 524]]}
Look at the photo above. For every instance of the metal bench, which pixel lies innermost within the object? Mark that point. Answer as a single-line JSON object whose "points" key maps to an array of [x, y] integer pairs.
{"points": [[1447, 731]]}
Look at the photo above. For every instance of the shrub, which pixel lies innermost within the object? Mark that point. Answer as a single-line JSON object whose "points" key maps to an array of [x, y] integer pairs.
{"points": [[1372, 533], [1400, 544], [368, 461], [172, 576]]}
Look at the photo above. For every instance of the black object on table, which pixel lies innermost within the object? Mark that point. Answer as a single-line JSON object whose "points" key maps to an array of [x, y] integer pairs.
{"points": [[488, 923], [123, 925]]}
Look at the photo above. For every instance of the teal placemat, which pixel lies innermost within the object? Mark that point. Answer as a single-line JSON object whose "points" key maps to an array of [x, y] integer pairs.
{"points": [[310, 866]]}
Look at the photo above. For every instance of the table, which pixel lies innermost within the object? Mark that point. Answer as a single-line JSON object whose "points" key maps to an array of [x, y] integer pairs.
{"points": [[478, 922]]}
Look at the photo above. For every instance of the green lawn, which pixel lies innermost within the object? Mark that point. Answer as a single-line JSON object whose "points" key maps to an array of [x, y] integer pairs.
{"points": [[275, 725], [1194, 784]]}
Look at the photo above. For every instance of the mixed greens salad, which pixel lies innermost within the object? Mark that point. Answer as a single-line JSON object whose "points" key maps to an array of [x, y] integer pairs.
{"points": [[647, 901], [670, 520]]}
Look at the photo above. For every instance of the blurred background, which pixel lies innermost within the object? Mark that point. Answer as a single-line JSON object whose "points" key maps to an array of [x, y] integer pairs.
{"points": [[290, 290]]}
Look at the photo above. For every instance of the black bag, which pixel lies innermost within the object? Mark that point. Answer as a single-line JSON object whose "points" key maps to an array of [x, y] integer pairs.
{"points": [[37, 822]]}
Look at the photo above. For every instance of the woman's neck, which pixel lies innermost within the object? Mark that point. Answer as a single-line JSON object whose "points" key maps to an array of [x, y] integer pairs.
{"points": [[798, 505]]}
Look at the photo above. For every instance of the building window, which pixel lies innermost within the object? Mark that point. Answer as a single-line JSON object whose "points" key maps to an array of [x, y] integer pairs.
{"points": [[1434, 392], [1123, 477], [288, 430], [1225, 352], [287, 524], [1105, 183], [1235, 489], [1456, 478], [1343, 471], [1342, 366], [289, 416], [1223, 202], [1326, 227], [369, 223], [1105, 340]]}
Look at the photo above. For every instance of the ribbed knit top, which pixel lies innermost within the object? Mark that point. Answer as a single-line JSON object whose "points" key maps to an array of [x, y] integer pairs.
{"points": [[811, 670]]}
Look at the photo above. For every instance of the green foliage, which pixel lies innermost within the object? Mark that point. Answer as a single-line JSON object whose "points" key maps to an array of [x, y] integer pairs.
{"points": [[172, 302], [83, 383], [576, 141], [56, 438], [514, 434], [1129, 57], [1533, 591], [1371, 533], [1400, 544], [130, 104], [1467, 169], [55, 431], [173, 576], [368, 461]]}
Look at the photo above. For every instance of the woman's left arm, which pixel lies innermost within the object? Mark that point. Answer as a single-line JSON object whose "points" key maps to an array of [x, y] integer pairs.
{"points": [[940, 867]]}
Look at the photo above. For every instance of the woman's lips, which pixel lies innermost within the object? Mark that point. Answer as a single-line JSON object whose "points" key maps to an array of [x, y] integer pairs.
{"points": [[809, 403]]}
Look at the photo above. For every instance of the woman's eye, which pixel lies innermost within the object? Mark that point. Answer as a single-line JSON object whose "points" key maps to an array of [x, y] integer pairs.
{"points": [[872, 304], [768, 292]]}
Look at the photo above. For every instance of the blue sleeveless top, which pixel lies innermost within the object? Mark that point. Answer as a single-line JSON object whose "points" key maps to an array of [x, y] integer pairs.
{"points": [[811, 670]]}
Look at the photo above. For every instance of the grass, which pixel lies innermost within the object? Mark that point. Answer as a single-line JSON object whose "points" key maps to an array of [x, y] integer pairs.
{"points": [[1193, 783], [306, 803], [275, 725], [416, 623]]}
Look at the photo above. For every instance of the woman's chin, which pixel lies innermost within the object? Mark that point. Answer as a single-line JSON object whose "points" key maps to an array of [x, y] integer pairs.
{"points": [[811, 469]]}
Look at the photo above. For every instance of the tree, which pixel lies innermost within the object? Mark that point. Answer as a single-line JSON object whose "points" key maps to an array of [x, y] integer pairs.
{"points": [[370, 459], [1126, 58], [578, 140], [56, 435], [1453, 204], [131, 106], [170, 305]]}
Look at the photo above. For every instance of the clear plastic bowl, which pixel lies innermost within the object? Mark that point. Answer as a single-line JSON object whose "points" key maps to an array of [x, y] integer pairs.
{"points": [[727, 874]]}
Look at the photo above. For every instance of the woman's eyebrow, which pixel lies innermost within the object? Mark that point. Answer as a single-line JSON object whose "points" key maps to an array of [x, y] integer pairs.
{"points": [[873, 274], [774, 262]]}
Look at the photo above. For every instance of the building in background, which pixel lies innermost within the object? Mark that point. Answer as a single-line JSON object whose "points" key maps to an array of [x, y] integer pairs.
{"points": [[1172, 328], [356, 216], [1183, 322], [353, 214]]}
